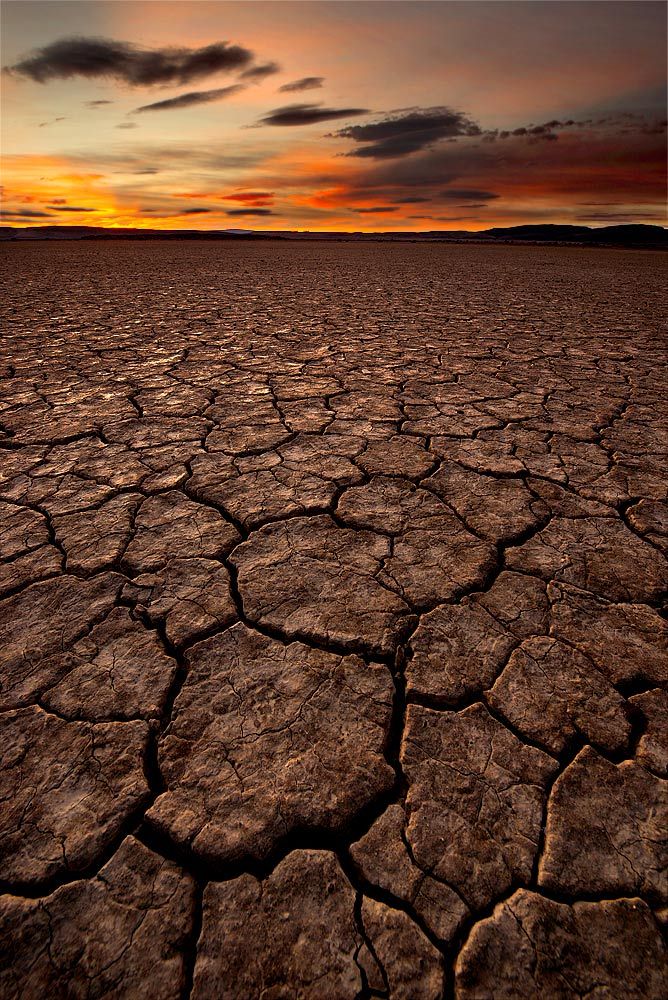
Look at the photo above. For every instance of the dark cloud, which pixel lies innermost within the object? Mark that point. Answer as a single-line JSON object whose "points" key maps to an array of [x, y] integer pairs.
{"points": [[248, 211], [467, 194], [258, 199], [96, 104], [377, 210], [168, 213], [257, 73], [52, 122], [100, 58], [71, 208], [545, 131], [305, 83], [26, 213], [656, 128], [307, 114], [541, 132], [127, 125], [411, 200], [188, 100], [407, 132]]}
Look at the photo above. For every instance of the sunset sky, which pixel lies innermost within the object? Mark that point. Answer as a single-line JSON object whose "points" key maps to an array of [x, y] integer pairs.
{"points": [[333, 116]]}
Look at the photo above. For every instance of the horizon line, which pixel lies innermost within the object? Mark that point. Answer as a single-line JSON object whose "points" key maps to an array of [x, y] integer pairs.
{"points": [[324, 232]]}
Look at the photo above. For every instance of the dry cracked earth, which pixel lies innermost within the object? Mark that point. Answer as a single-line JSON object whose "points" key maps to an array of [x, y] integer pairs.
{"points": [[334, 661]]}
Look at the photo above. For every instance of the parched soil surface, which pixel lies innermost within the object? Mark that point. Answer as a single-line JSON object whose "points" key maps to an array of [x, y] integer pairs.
{"points": [[333, 659]]}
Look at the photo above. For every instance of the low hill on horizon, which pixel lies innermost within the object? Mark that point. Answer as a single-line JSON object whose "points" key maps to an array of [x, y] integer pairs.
{"points": [[638, 235]]}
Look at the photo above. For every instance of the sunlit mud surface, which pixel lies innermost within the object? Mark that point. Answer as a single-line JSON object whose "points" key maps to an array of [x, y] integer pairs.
{"points": [[333, 654]]}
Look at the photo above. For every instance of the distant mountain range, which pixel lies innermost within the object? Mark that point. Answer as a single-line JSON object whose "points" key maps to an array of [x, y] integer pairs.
{"points": [[621, 236]]}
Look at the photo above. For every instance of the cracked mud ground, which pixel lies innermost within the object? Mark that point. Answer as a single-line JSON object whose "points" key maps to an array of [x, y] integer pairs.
{"points": [[332, 636]]}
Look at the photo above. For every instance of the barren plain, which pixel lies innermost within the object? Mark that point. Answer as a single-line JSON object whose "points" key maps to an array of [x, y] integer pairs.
{"points": [[334, 658]]}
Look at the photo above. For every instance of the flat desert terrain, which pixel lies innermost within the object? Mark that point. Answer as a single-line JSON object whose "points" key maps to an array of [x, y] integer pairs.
{"points": [[332, 638]]}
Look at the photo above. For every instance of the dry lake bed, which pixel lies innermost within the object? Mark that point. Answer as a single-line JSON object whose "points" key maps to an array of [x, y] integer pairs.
{"points": [[333, 644]]}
